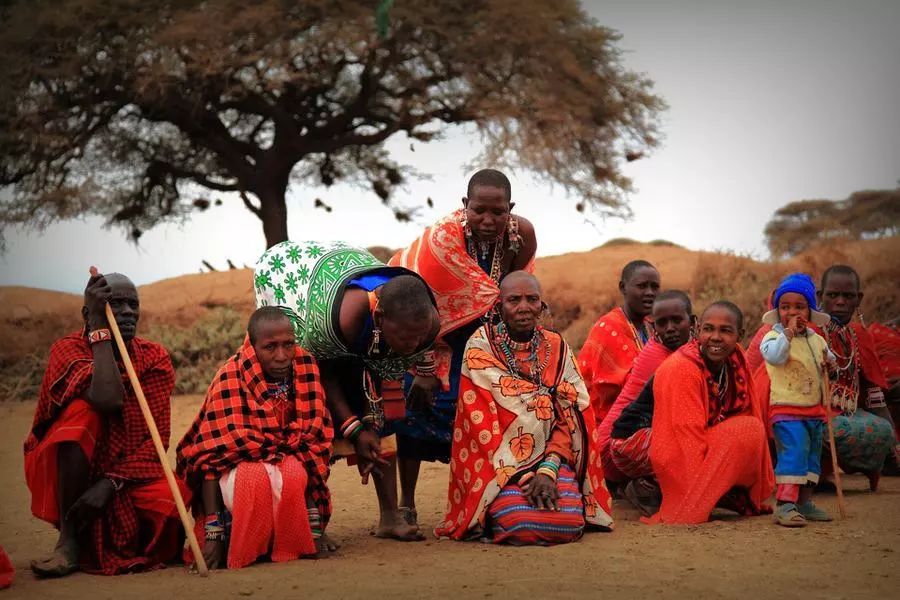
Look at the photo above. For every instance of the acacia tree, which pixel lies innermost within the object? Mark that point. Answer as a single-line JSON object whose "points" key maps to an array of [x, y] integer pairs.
{"points": [[800, 225], [136, 111]]}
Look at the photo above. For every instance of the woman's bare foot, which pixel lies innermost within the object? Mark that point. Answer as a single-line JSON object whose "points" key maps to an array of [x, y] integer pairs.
{"points": [[62, 562], [396, 528], [328, 543]]}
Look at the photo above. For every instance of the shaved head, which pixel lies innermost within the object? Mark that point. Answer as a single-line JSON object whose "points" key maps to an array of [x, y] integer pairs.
{"points": [[517, 277]]}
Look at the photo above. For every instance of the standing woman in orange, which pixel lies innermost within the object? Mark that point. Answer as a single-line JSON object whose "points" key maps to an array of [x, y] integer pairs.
{"points": [[618, 337], [462, 258]]}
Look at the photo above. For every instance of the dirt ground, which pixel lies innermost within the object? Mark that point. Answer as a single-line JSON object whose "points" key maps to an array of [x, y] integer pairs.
{"points": [[727, 558]]}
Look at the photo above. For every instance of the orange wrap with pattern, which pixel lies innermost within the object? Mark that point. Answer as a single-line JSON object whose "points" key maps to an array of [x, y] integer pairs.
{"points": [[502, 429], [464, 292]]}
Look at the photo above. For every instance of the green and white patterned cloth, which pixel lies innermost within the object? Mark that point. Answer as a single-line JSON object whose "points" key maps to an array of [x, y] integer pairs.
{"points": [[305, 279]]}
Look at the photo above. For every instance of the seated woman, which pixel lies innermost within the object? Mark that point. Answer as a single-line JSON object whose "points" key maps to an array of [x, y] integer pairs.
{"points": [[525, 466], [257, 453], [366, 324], [709, 443]]}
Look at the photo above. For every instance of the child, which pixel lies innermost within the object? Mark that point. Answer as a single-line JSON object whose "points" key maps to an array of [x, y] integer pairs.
{"points": [[794, 356]]}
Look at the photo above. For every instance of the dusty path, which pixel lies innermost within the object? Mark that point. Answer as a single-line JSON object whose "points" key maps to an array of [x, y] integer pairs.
{"points": [[729, 558]]}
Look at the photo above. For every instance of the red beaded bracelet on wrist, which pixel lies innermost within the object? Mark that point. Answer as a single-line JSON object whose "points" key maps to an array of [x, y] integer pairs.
{"points": [[99, 335]]}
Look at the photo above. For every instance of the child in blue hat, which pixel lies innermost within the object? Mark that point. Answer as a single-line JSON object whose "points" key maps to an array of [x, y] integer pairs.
{"points": [[795, 358]]}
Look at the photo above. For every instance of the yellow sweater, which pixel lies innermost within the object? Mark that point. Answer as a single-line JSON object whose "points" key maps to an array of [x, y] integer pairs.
{"points": [[798, 380]]}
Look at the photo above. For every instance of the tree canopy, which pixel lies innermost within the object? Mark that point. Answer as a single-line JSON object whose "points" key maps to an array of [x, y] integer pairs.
{"points": [[801, 225], [139, 111]]}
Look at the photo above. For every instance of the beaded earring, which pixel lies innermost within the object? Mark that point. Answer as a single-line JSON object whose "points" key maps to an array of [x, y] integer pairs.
{"points": [[860, 315]]}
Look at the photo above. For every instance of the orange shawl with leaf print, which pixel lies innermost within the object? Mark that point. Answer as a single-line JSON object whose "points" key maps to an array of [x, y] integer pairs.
{"points": [[502, 427], [464, 292]]}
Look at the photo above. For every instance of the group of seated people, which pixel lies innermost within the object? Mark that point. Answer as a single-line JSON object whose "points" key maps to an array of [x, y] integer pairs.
{"points": [[441, 354]]}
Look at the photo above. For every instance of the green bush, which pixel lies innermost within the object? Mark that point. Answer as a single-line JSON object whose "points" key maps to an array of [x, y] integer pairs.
{"points": [[199, 350]]}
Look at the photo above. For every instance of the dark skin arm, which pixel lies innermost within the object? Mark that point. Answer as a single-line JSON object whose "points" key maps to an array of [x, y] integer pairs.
{"points": [[422, 389], [527, 248], [213, 551], [106, 393]]}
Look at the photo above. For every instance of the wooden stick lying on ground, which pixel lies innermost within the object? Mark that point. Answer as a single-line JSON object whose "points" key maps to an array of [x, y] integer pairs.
{"points": [[842, 507], [157, 442]]}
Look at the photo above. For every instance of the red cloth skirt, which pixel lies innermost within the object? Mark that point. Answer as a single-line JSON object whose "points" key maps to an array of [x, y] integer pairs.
{"points": [[159, 538]]}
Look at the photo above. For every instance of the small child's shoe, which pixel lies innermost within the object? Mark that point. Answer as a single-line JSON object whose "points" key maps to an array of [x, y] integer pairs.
{"points": [[811, 512], [787, 515]]}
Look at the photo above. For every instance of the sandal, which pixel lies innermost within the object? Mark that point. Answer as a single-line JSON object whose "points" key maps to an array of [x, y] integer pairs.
{"points": [[811, 512], [787, 515]]}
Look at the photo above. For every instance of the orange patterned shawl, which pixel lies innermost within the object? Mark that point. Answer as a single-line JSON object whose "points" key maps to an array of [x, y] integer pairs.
{"points": [[501, 430], [464, 292]]}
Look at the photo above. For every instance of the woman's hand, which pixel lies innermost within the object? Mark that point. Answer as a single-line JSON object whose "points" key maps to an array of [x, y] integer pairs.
{"points": [[541, 492], [214, 554], [421, 392], [368, 453]]}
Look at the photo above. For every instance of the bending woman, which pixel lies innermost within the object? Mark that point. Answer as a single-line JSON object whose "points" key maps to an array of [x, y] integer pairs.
{"points": [[366, 324], [525, 466], [709, 443]]}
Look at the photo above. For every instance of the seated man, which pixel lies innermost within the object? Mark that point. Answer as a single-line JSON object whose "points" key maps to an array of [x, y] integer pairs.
{"points": [[89, 459], [525, 467], [625, 433], [258, 451]]}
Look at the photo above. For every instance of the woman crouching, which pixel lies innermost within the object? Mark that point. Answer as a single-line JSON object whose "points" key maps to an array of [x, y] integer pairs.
{"points": [[524, 468]]}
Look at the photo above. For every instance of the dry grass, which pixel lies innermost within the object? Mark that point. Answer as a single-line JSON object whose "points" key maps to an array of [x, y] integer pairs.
{"points": [[201, 318]]}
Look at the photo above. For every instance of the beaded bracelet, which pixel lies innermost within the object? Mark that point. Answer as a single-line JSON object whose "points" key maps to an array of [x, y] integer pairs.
{"points": [[99, 335], [351, 428], [547, 464], [214, 527], [116, 483], [548, 472]]}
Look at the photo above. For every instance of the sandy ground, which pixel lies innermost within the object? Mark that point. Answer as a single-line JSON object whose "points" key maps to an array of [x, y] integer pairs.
{"points": [[728, 558]]}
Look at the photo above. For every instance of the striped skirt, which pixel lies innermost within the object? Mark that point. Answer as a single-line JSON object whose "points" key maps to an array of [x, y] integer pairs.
{"points": [[631, 456], [514, 521]]}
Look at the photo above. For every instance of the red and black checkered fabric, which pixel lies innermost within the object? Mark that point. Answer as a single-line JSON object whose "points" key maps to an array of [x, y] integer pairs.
{"points": [[124, 449], [238, 423]]}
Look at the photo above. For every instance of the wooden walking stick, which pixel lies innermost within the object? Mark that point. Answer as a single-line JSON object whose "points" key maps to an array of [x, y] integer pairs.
{"points": [[842, 507], [157, 440]]}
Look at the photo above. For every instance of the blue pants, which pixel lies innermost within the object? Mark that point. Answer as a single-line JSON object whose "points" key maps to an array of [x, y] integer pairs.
{"points": [[799, 446]]}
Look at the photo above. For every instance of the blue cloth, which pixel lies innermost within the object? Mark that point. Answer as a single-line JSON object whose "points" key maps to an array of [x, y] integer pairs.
{"points": [[799, 446], [798, 283], [369, 282], [428, 435]]}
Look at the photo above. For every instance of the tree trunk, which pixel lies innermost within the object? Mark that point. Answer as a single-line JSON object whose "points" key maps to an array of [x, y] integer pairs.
{"points": [[273, 212]]}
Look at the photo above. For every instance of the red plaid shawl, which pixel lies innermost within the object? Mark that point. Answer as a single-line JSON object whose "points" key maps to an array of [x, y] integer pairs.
{"points": [[236, 423], [125, 449]]}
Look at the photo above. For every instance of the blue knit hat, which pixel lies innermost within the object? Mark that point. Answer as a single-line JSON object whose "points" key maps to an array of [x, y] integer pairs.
{"points": [[797, 283]]}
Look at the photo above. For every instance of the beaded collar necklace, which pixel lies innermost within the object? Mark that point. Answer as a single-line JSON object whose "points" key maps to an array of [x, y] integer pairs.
{"points": [[533, 368]]}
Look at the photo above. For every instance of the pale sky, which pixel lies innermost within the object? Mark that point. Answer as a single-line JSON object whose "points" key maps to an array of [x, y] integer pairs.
{"points": [[770, 102]]}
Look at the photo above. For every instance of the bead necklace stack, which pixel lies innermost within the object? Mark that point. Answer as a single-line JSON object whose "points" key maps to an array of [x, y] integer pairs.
{"points": [[535, 365], [484, 248], [846, 392], [282, 396]]}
